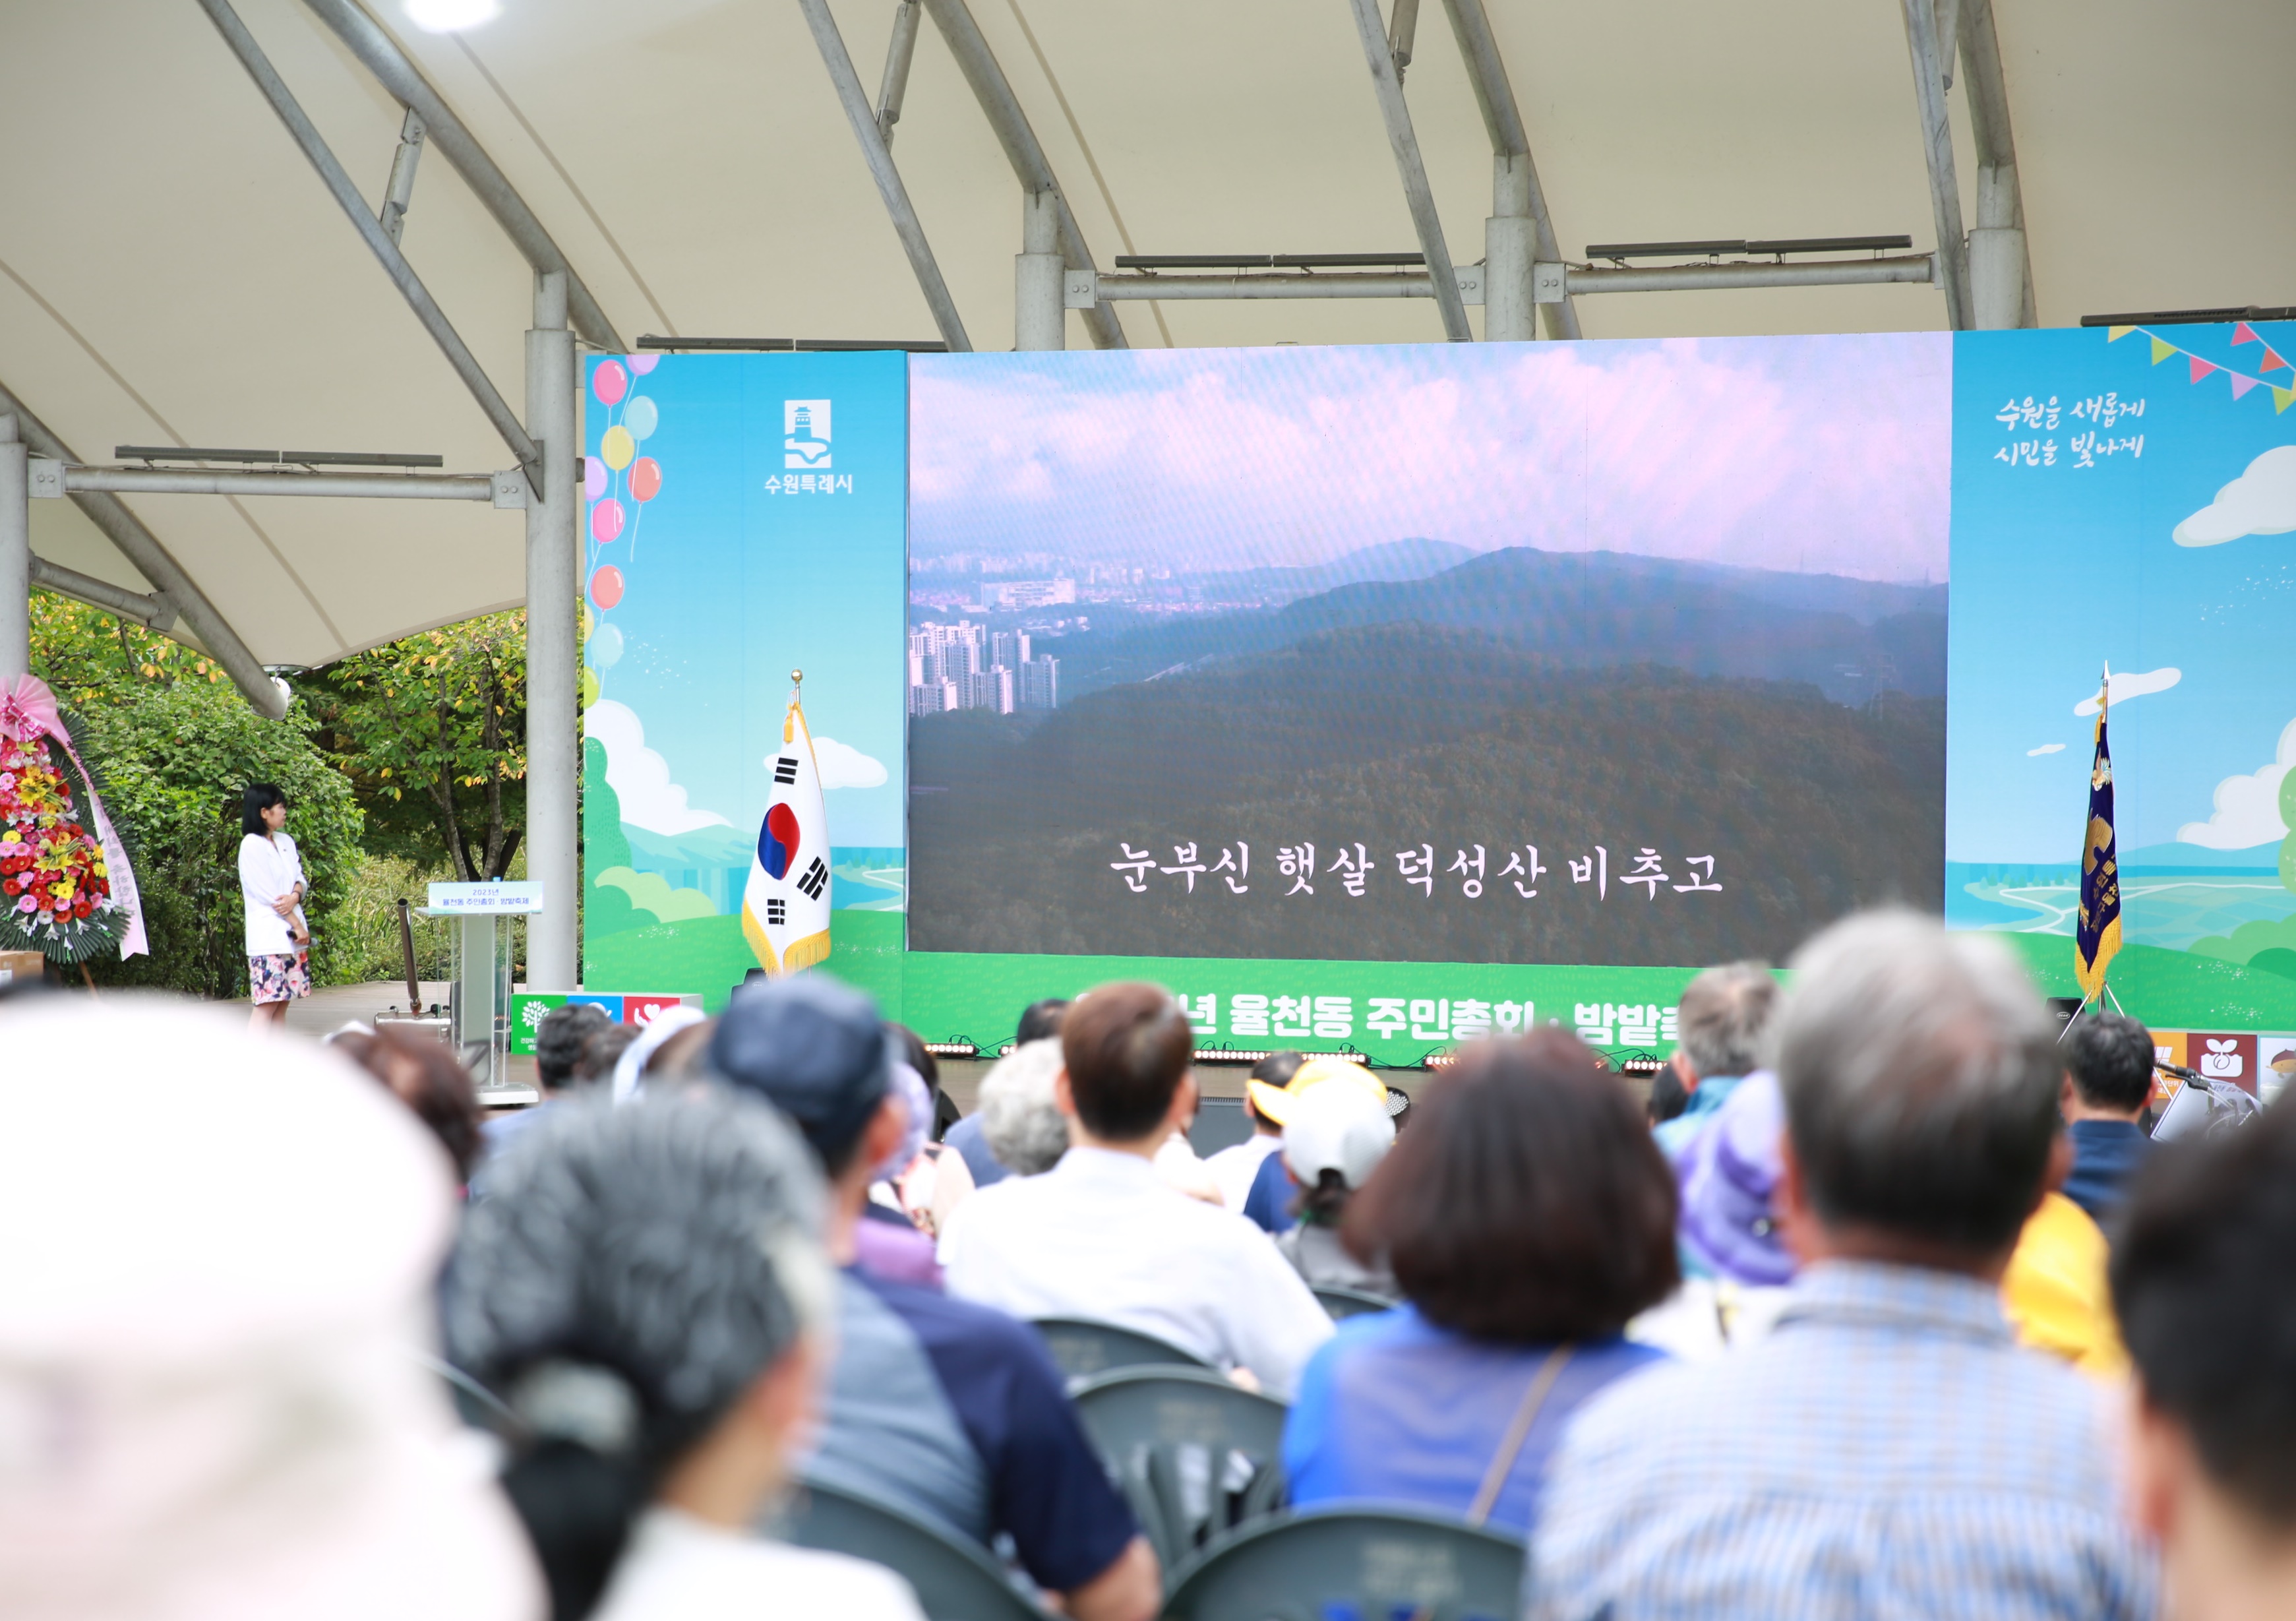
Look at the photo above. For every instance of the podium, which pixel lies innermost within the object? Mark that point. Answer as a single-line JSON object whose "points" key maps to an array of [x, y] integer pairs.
{"points": [[478, 1000]]}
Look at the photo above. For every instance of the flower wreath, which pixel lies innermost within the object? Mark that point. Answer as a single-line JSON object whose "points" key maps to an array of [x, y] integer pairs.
{"points": [[57, 876]]}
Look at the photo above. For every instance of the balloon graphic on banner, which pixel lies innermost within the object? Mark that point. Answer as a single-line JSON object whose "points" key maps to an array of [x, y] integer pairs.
{"points": [[642, 364], [641, 416], [605, 647], [617, 447], [594, 478], [645, 479], [606, 586], [610, 383], [606, 526]]}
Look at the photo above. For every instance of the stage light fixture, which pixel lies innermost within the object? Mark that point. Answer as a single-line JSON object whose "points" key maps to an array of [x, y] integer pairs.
{"points": [[1771, 246], [274, 458], [1641, 1067], [952, 1050], [2191, 317], [1439, 1060], [803, 346], [1267, 262]]}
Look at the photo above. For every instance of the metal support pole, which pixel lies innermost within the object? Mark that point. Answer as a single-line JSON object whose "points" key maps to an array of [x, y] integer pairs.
{"points": [[1514, 178], [1402, 31], [346, 195], [1937, 147], [400, 193], [384, 486], [157, 564], [2000, 261], [899, 49], [1389, 88], [554, 589], [154, 611], [15, 552], [1038, 319], [993, 92], [873, 134], [1711, 278], [1509, 249], [381, 56]]}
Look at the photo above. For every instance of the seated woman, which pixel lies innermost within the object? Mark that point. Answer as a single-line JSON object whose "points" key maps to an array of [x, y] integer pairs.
{"points": [[1527, 1215], [645, 1288], [1335, 1138]]}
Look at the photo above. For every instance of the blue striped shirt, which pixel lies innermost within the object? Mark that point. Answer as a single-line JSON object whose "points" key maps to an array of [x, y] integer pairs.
{"points": [[1887, 1452]]}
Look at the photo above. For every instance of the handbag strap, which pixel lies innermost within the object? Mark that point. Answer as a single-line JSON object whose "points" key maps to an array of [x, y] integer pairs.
{"points": [[1526, 1413]]}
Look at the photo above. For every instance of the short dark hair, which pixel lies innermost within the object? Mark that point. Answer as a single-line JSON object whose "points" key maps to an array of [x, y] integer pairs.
{"points": [[602, 1050], [2109, 1056], [1040, 1020], [558, 1040], [254, 799], [1921, 1075], [2204, 1281], [1527, 1203], [1126, 1047], [910, 1046], [1667, 1096]]}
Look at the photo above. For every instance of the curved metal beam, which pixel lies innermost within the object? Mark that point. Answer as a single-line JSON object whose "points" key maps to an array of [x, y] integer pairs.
{"points": [[380, 55], [157, 564], [993, 92]]}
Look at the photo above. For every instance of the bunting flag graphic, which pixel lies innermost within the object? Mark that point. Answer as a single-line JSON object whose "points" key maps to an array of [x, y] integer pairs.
{"points": [[2097, 932], [785, 906], [2197, 367]]}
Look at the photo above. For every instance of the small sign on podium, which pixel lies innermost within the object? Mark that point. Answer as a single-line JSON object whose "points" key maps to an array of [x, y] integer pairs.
{"points": [[494, 898]]}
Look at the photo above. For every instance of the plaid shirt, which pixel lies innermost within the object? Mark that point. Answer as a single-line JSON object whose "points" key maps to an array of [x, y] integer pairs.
{"points": [[1888, 1452]]}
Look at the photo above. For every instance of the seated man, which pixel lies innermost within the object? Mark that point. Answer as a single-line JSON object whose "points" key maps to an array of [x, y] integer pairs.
{"points": [[558, 1045], [2108, 1081], [1040, 1021], [1719, 1021], [1102, 1236], [952, 1410], [1888, 1449], [2205, 1280]]}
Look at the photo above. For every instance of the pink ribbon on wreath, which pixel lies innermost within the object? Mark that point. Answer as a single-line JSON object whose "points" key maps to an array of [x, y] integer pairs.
{"points": [[28, 710]]}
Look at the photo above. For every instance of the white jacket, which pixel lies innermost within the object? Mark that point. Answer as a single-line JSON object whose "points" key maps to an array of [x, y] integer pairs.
{"points": [[268, 868]]}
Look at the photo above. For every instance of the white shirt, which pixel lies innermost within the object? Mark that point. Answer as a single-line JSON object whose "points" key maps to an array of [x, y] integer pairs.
{"points": [[1101, 1236], [1234, 1167], [676, 1568], [268, 868]]}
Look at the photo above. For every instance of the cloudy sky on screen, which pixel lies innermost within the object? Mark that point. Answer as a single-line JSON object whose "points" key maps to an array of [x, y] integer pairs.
{"points": [[1829, 454]]}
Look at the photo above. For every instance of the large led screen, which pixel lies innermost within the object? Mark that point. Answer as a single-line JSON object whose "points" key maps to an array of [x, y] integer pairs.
{"points": [[1627, 654]]}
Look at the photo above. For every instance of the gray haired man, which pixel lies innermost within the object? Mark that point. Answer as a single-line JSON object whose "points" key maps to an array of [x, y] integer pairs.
{"points": [[1720, 1023], [1888, 1449]]}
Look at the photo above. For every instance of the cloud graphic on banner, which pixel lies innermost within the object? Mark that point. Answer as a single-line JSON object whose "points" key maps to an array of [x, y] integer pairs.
{"points": [[843, 766], [2247, 806], [639, 776], [2133, 684], [2047, 748], [2261, 501]]}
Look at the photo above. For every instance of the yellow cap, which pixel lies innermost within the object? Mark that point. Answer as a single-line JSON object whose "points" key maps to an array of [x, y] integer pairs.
{"points": [[1275, 1102]]}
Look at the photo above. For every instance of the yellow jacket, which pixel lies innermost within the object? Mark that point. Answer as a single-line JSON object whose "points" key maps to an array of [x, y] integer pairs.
{"points": [[2054, 1291]]}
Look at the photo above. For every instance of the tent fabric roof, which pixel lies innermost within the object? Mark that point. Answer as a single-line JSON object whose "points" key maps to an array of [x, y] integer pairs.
{"points": [[172, 271]]}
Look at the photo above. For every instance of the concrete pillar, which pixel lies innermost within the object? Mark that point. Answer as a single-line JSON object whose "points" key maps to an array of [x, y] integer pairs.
{"points": [[15, 552], [1039, 313], [554, 588], [1509, 248]]}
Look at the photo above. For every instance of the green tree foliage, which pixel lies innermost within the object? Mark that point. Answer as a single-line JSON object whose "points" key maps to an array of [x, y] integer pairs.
{"points": [[176, 744], [431, 731]]}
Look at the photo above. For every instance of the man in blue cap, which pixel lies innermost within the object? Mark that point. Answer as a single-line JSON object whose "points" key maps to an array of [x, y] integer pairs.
{"points": [[949, 1409]]}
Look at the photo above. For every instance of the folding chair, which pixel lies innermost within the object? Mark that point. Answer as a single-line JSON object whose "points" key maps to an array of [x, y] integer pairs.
{"points": [[1195, 1454], [1365, 1562], [955, 1580], [1081, 1349]]}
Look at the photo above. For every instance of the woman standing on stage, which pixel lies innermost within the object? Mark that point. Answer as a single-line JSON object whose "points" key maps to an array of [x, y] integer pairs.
{"points": [[272, 886]]}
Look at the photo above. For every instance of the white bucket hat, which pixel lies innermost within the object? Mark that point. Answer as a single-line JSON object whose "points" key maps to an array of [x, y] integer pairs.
{"points": [[219, 1252]]}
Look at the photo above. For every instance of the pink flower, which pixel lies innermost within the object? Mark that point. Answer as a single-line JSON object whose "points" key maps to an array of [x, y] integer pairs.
{"points": [[28, 905]]}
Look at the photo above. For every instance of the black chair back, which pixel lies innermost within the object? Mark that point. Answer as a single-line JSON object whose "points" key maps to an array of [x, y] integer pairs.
{"points": [[1341, 1303], [955, 1580], [1365, 1562], [1081, 1349], [1195, 1454]]}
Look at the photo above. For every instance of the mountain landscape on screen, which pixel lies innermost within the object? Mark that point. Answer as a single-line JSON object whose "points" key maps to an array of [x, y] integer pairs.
{"points": [[1552, 710]]}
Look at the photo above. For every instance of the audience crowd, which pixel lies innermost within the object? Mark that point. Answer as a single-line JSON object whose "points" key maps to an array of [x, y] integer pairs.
{"points": [[1880, 1301]]}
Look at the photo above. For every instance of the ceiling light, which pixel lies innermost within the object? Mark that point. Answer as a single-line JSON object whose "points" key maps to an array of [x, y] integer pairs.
{"points": [[451, 16]]}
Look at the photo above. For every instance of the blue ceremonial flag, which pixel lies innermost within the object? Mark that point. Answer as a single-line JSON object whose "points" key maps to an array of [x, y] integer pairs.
{"points": [[2096, 931]]}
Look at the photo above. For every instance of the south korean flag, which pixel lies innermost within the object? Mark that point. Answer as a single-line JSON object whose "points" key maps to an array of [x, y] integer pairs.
{"points": [[785, 906]]}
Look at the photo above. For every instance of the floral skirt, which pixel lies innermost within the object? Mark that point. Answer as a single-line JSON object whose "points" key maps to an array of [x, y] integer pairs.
{"points": [[279, 976]]}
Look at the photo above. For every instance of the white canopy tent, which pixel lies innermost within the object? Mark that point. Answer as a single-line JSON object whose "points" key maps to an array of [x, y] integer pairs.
{"points": [[175, 272]]}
